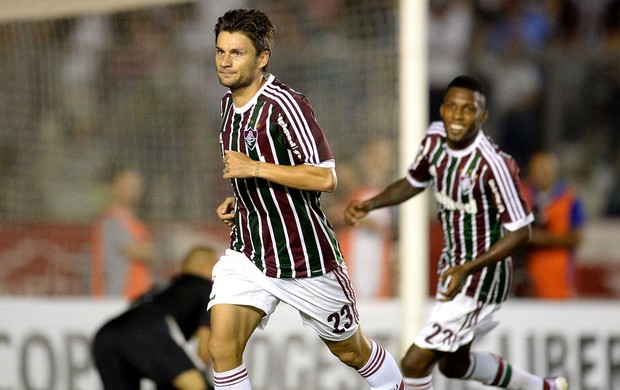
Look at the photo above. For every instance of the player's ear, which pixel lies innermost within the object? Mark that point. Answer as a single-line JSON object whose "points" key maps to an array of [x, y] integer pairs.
{"points": [[263, 59], [484, 116]]}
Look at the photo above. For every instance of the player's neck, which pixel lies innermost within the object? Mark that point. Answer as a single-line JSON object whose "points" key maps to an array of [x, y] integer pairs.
{"points": [[241, 96]]}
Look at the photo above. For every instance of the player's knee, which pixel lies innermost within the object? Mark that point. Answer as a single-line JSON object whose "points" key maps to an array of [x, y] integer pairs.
{"points": [[220, 349], [351, 358], [415, 365], [453, 369], [354, 351]]}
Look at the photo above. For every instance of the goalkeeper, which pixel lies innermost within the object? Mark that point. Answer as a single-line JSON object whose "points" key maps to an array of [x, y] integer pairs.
{"points": [[147, 341]]}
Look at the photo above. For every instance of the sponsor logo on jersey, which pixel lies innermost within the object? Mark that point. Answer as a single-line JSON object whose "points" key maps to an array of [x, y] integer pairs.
{"points": [[448, 203], [289, 138]]}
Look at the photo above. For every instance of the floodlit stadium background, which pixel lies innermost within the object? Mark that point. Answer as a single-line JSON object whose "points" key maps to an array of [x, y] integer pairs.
{"points": [[83, 84]]}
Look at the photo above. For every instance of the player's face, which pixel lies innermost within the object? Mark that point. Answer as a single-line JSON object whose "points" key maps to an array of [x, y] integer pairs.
{"points": [[236, 61], [463, 112]]}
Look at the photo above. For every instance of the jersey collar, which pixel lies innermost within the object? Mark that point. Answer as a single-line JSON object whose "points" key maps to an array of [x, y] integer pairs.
{"points": [[468, 149], [252, 102]]}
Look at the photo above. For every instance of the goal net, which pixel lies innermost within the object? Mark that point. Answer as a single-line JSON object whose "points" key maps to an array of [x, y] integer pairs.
{"points": [[85, 84]]}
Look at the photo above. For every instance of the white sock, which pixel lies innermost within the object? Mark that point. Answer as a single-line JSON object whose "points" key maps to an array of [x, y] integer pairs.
{"points": [[425, 383], [494, 370], [235, 379], [381, 371]]}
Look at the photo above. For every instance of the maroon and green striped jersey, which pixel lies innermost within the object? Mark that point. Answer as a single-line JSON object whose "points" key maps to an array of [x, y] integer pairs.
{"points": [[478, 195], [281, 229]]}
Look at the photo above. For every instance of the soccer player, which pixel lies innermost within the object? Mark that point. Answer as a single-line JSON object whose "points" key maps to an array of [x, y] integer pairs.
{"points": [[146, 341], [282, 247], [484, 219]]}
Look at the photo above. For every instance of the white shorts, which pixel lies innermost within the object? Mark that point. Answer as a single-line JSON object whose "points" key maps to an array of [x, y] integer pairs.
{"points": [[326, 303], [456, 323]]}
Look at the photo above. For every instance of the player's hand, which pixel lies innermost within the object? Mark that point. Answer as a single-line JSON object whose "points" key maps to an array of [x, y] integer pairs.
{"points": [[355, 211], [455, 278], [226, 211], [238, 165]]}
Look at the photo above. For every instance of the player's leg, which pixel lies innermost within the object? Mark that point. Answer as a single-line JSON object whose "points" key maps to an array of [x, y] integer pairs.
{"points": [[449, 326], [493, 370], [376, 365], [327, 306], [417, 366], [239, 304], [231, 328]]}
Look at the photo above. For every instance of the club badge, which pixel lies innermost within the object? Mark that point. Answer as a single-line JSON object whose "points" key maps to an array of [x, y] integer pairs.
{"points": [[466, 182], [250, 136]]}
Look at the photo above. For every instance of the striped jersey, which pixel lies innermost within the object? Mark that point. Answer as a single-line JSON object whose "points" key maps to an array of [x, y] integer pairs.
{"points": [[478, 195], [281, 229]]}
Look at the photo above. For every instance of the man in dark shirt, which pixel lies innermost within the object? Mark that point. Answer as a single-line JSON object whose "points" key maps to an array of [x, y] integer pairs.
{"points": [[146, 341]]}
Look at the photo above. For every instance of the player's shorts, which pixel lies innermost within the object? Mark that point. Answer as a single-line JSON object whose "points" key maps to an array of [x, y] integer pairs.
{"points": [[456, 323], [325, 303], [139, 344]]}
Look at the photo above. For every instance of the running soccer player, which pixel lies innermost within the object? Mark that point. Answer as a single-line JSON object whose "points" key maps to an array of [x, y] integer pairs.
{"points": [[282, 247], [484, 220]]}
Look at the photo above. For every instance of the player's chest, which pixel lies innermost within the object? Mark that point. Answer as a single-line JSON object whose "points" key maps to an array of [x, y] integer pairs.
{"points": [[458, 177], [246, 132]]}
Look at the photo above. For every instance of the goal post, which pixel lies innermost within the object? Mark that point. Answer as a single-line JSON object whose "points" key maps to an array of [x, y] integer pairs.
{"points": [[413, 227]]}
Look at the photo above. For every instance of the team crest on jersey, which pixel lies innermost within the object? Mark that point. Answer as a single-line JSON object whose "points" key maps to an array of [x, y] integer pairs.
{"points": [[466, 182], [250, 136]]}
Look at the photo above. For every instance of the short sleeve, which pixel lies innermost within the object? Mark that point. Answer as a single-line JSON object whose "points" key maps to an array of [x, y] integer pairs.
{"points": [[301, 132], [508, 196]]}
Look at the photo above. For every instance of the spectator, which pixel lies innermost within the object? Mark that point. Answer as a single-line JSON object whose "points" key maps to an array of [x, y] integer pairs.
{"points": [[146, 340], [510, 64], [612, 208], [450, 28], [122, 252], [556, 232]]}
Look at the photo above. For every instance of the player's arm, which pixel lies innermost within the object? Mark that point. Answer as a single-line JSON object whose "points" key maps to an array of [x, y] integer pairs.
{"points": [[544, 238], [503, 248], [304, 177], [395, 193]]}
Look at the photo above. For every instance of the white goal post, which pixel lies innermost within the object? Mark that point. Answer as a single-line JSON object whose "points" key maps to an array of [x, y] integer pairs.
{"points": [[413, 228]]}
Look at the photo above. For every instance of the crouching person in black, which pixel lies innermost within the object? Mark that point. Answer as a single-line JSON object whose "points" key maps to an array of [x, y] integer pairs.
{"points": [[148, 340]]}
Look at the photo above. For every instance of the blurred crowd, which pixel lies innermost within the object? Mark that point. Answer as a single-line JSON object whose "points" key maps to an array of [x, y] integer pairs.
{"points": [[135, 87]]}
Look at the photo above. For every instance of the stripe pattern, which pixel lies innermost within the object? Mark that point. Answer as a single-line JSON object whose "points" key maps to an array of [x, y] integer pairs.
{"points": [[425, 383], [477, 191], [504, 373], [281, 229], [377, 358], [230, 378], [344, 281]]}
